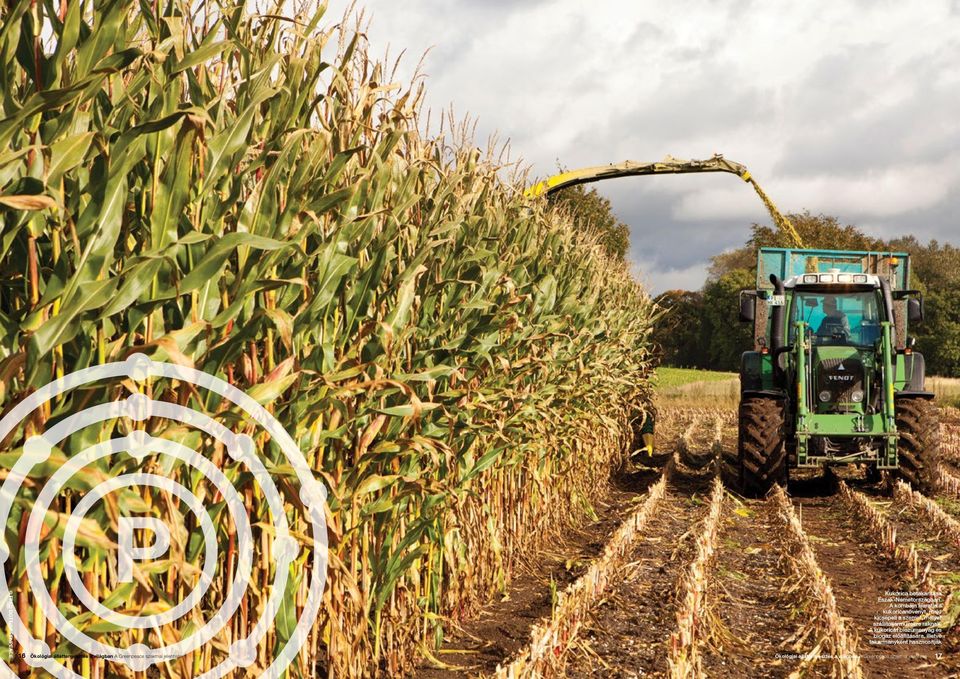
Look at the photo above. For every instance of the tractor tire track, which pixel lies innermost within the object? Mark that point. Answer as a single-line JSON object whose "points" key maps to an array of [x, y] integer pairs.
{"points": [[699, 446], [628, 632]]}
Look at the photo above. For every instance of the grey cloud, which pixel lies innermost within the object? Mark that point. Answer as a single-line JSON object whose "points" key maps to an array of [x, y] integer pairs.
{"points": [[656, 237], [645, 34], [876, 133], [938, 222]]}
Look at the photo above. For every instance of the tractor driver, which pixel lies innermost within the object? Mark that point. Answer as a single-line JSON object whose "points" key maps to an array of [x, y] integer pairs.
{"points": [[835, 323]]}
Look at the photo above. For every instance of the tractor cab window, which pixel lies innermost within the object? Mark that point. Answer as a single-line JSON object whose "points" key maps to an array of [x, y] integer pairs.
{"points": [[842, 318]]}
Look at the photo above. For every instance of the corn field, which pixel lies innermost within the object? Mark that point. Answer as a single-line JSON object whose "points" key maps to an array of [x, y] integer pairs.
{"points": [[251, 195]]}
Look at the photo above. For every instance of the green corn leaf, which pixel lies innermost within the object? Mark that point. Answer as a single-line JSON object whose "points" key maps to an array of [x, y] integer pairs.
{"points": [[201, 54], [66, 154]]}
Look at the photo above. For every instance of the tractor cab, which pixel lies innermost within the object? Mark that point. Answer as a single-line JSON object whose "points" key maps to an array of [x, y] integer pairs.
{"points": [[837, 313]]}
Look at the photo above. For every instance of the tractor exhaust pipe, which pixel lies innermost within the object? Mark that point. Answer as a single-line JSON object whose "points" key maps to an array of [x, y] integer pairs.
{"points": [[776, 317], [887, 297], [891, 313]]}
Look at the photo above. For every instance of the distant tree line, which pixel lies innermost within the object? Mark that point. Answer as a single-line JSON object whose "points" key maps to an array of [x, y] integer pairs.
{"points": [[702, 329]]}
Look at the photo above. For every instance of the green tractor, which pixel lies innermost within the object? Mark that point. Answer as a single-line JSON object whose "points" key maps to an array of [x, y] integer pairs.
{"points": [[833, 378]]}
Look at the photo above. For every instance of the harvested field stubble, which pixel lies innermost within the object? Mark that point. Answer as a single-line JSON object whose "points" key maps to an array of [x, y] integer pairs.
{"points": [[884, 532], [947, 390], [756, 591], [628, 631], [757, 624], [503, 628], [930, 510], [947, 482], [950, 441], [886, 528], [758, 575], [720, 393]]}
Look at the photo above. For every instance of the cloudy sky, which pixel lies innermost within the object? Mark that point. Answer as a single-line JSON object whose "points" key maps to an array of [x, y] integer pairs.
{"points": [[845, 107]]}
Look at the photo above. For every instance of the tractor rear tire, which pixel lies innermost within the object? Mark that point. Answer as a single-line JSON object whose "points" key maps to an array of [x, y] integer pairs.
{"points": [[918, 450], [763, 454]]}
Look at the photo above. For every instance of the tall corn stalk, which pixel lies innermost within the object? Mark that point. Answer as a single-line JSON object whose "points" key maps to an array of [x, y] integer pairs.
{"points": [[250, 195]]}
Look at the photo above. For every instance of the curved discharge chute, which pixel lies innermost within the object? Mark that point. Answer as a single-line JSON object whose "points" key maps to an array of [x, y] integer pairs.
{"points": [[668, 165]]}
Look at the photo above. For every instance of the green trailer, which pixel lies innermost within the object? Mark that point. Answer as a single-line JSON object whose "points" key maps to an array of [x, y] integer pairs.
{"points": [[833, 377]]}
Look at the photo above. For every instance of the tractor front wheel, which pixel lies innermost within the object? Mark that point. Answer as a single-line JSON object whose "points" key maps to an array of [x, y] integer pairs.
{"points": [[918, 450], [762, 457]]}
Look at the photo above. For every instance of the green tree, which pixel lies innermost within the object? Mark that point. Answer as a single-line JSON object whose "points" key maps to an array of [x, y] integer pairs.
{"points": [[743, 258], [816, 231], [938, 337], [936, 272], [680, 333], [934, 265], [592, 212], [726, 338]]}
